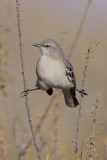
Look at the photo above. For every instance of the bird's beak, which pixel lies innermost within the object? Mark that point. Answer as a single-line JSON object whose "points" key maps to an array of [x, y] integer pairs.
{"points": [[37, 45]]}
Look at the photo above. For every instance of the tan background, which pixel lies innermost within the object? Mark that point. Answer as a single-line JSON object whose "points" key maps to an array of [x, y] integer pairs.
{"points": [[57, 20]]}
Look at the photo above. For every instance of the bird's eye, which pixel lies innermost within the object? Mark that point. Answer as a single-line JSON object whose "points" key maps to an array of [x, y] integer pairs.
{"points": [[47, 46]]}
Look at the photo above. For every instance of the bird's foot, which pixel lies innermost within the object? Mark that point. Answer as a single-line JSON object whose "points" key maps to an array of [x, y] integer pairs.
{"points": [[82, 92], [24, 93]]}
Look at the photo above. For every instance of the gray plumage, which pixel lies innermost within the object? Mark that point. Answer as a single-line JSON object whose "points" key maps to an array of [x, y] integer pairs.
{"points": [[54, 71]]}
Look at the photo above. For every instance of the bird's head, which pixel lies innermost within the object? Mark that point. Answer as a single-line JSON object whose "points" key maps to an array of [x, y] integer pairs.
{"points": [[50, 47]]}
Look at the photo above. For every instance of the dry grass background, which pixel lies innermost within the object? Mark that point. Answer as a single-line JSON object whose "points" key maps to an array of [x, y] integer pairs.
{"points": [[58, 20]]}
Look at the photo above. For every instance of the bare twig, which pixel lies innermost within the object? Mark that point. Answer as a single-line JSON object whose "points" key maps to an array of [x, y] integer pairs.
{"points": [[93, 117], [80, 105], [91, 49], [79, 30], [24, 80]]}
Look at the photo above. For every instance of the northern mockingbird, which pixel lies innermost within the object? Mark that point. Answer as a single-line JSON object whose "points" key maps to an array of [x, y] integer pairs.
{"points": [[54, 71]]}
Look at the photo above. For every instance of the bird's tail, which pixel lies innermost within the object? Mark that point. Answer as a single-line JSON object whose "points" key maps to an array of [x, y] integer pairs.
{"points": [[70, 98]]}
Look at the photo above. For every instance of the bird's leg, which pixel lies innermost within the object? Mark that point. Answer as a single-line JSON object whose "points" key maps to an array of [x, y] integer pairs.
{"points": [[82, 92], [26, 92]]}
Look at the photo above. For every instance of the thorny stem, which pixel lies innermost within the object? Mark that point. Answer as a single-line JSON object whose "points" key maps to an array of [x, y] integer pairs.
{"points": [[96, 106], [24, 80], [79, 30], [80, 105]]}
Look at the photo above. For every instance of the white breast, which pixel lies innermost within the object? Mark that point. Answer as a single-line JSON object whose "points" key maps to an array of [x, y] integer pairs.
{"points": [[52, 72]]}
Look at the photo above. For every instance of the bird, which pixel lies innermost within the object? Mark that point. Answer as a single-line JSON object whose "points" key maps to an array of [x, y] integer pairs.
{"points": [[55, 71]]}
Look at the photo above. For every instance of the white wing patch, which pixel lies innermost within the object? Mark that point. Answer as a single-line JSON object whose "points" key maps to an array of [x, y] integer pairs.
{"points": [[70, 75]]}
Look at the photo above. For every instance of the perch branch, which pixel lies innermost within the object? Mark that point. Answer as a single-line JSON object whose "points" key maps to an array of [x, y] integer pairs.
{"points": [[24, 80], [80, 105]]}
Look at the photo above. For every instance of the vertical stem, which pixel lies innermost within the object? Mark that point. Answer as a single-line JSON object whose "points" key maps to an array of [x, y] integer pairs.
{"points": [[80, 105], [24, 80], [96, 106]]}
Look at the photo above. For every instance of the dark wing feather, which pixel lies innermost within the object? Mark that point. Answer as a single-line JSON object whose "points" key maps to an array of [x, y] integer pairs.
{"points": [[70, 73]]}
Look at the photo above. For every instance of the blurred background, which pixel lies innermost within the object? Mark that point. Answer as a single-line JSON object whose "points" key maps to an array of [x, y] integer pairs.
{"points": [[59, 20]]}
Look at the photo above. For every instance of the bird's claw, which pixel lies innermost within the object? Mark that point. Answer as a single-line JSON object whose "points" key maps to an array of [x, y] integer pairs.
{"points": [[24, 93], [82, 92]]}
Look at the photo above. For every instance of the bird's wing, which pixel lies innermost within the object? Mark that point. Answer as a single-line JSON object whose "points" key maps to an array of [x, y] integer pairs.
{"points": [[70, 73]]}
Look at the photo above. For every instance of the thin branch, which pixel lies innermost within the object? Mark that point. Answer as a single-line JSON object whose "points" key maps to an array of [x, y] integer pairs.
{"points": [[93, 117], [81, 99], [79, 30], [24, 80], [91, 49]]}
